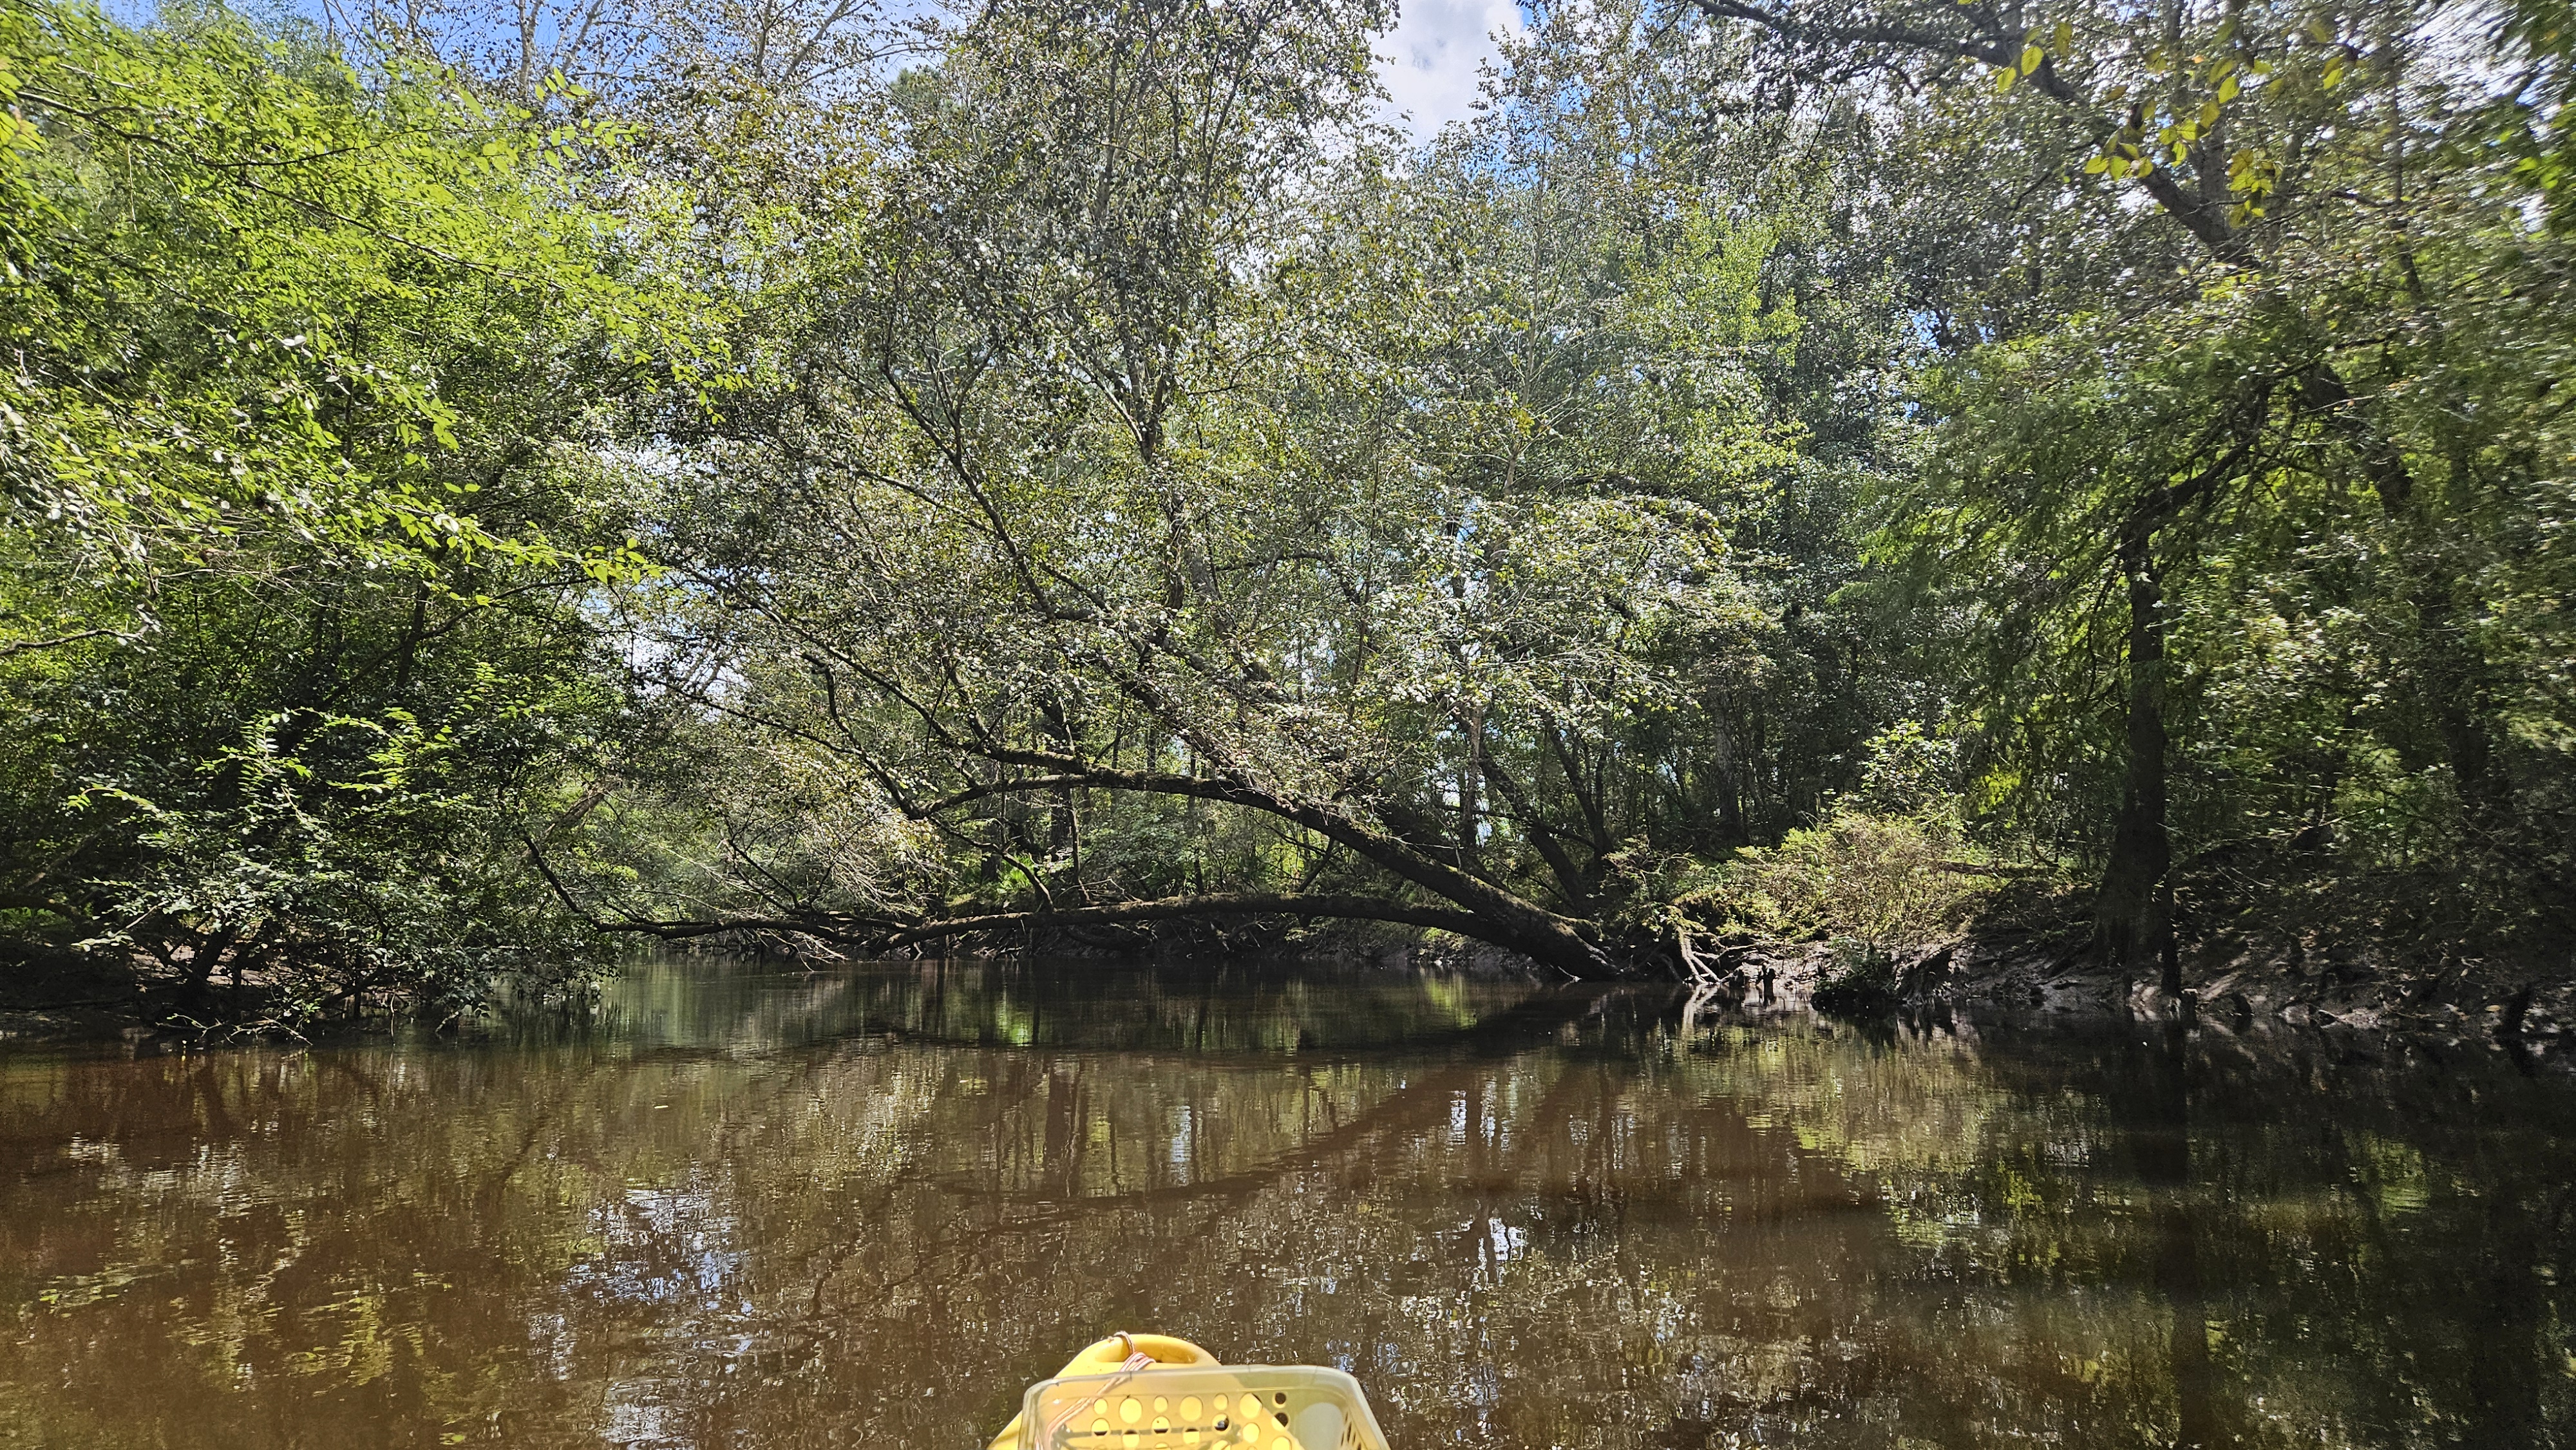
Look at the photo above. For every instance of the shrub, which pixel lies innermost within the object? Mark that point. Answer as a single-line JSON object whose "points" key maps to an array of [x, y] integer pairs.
{"points": [[1878, 881]]}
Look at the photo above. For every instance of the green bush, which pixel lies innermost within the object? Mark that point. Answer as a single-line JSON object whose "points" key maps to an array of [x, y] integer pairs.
{"points": [[1878, 881]]}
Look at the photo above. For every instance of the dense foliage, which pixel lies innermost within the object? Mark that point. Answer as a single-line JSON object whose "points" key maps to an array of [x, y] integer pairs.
{"points": [[1067, 476], [307, 496]]}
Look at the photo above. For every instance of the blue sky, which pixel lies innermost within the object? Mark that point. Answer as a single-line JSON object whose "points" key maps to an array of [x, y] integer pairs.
{"points": [[1430, 61]]}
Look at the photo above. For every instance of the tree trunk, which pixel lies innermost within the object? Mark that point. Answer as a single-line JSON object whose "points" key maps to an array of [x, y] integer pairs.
{"points": [[2448, 670], [1470, 779], [2131, 926], [203, 960]]}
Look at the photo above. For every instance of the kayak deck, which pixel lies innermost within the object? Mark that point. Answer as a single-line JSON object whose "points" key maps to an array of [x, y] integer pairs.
{"points": [[1151, 1392]]}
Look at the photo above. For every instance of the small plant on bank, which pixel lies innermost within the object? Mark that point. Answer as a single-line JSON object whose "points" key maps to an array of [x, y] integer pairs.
{"points": [[1888, 868], [1859, 977], [1886, 881]]}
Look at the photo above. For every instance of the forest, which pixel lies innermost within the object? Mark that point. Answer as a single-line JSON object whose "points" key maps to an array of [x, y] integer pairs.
{"points": [[491, 486]]}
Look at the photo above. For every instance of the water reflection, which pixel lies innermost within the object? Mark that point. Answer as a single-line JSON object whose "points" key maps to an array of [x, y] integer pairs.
{"points": [[739, 1207]]}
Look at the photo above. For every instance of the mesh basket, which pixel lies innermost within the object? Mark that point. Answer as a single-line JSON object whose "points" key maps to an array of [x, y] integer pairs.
{"points": [[1201, 1407]]}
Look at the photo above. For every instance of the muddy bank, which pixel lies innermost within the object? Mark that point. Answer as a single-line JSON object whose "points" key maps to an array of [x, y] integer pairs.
{"points": [[2526, 1005], [19, 1025], [2230, 983], [68, 998]]}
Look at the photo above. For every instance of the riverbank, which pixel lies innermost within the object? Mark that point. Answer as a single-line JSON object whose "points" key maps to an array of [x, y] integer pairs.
{"points": [[2232, 982], [60, 998], [2229, 983]]}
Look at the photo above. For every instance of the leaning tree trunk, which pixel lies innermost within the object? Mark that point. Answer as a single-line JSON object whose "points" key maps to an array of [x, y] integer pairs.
{"points": [[2132, 925]]}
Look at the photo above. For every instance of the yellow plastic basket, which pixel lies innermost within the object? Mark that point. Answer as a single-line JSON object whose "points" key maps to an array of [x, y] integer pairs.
{"points": [[1202, 1407]]}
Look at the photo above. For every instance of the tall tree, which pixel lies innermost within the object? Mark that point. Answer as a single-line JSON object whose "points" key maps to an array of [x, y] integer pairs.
{"points": [[303, 507], [2260, 250], [1200, 492]]}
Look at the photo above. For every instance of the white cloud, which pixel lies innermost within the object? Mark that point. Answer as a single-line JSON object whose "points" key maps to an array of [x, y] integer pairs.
{"points": [[1431, 62]]}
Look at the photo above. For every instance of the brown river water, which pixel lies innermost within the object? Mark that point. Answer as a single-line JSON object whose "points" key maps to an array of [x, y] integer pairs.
{"points": [[736, 1205]]}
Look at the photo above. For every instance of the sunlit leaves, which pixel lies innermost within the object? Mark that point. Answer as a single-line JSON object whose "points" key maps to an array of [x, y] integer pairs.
{"points": [[313, 500], [223, 247]]}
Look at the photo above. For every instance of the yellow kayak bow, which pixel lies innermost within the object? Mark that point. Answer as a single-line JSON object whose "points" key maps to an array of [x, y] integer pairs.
{"points": [[1154, 1392]]}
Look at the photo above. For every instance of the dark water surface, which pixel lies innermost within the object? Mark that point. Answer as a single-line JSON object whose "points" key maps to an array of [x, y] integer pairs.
{"points": [[736, 1207]]}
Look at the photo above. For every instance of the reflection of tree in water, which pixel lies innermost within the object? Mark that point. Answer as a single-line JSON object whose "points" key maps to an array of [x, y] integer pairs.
{"points": [[1181, 1007], [1548, 1224]]}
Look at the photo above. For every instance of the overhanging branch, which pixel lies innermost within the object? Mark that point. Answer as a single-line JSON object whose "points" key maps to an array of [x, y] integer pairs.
{"points": [[1533, 928], [832, 926], [880, 934], [1182, 908]]}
